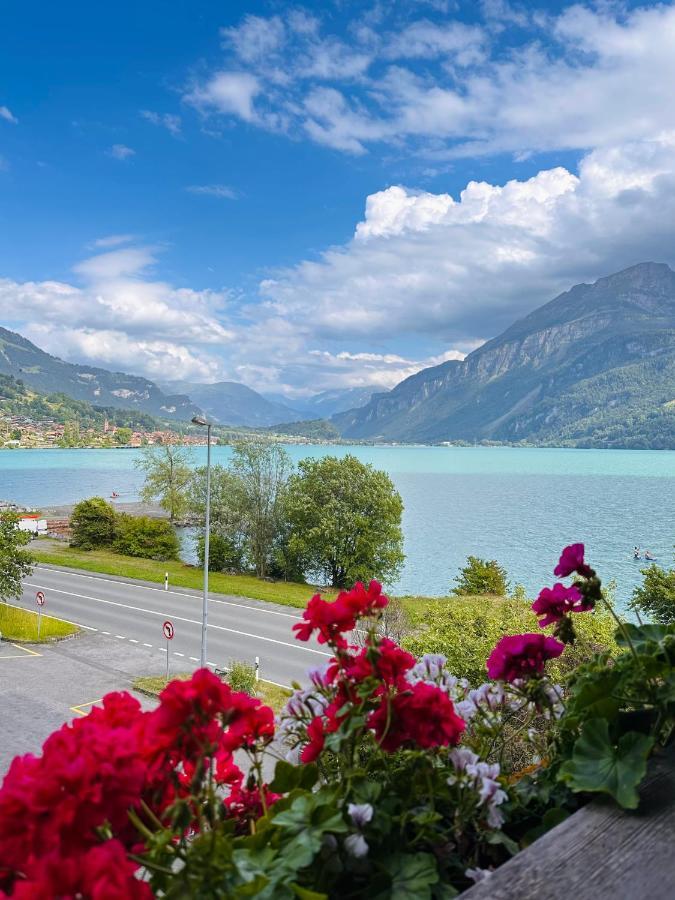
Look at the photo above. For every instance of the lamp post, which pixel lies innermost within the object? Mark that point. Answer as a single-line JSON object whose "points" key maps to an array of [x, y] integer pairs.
{"points": [[200, 420]]}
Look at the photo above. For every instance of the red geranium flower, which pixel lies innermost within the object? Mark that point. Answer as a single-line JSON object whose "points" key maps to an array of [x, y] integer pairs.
{"points": [[333, 619], [521, 656], [422, 715], [554, 603]]}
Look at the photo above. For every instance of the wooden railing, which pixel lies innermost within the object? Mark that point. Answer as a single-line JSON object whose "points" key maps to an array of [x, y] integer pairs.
{"points": [[599, 853]]}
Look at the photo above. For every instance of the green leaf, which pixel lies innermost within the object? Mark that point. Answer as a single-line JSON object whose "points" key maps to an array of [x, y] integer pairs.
{"points": [[412, 876], [306, 894], [498, 837], [642, 637], [286, 777], [600, 766]]}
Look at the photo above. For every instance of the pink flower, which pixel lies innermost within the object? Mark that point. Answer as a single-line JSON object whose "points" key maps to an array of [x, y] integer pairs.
{"points": [[554, 603], [572, 560], [521, 656]]}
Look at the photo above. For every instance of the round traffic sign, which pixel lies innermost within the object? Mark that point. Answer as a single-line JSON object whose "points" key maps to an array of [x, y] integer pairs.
{"points": [[167, 628], [40, 598]]}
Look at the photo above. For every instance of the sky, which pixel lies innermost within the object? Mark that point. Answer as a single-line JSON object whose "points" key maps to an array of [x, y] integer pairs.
{"points": [[335, 194]]}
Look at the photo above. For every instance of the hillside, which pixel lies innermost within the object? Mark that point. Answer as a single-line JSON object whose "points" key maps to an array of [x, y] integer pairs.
{"points": [[232, 403], [593, 367], [49, 374], [17, 400]]}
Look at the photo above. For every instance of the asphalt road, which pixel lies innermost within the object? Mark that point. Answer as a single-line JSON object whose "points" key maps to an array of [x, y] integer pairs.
{"points": [[238, 628]]}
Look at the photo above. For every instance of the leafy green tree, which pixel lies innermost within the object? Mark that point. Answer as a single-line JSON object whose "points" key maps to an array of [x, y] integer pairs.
{"points": [[345, 521], [123, 435], [262, 469], [481, 576], [224, 554], [168, 476], [92, 524], [655, 597], [15, 562], [247, 501], [145, 537]]}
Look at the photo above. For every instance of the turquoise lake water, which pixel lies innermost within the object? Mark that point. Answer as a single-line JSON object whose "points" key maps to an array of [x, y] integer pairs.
{"points": [[519, 506]]}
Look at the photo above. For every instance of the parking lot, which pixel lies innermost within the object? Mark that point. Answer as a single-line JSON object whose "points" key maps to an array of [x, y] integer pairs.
{"points": [[42, 686]]}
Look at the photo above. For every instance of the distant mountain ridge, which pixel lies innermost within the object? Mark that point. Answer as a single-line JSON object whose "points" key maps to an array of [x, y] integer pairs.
{"points": [[232, 403], [49, 374], [593, 367], [328, 403]]}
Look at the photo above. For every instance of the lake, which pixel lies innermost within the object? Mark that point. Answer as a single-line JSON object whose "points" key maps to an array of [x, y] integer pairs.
{"points": [[519, 506]]}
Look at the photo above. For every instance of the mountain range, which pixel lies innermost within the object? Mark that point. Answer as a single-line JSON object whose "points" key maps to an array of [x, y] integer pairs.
{"points": [[593, 367], [227, 402], [49, 374]]}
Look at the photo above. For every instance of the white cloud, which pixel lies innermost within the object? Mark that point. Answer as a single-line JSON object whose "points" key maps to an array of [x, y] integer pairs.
{"points": [[457, 271], [426, 277], [221, 191], [113, 240], [120, 316], [171, 122], [121, 152], [6, 114], [231, 93], [587, 77]]}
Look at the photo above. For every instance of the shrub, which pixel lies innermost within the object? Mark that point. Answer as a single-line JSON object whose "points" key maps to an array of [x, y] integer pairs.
{"points": [[92, 524], [481, 576], [241, 677], [655, 597], [145, 537], [464, 630], [224, 553]]}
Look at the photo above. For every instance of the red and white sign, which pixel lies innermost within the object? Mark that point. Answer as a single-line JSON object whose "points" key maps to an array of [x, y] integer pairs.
{"points": [[167, 628], [40, 598]]}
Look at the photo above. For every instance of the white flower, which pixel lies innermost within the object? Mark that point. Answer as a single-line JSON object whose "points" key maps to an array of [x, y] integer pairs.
{"points": [[462, 758], [478, 874], [356, 846], [360, 813]]}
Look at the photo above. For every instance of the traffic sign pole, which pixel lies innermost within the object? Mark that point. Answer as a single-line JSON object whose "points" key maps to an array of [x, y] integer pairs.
{"points": [[40, 600], [167, 629]]}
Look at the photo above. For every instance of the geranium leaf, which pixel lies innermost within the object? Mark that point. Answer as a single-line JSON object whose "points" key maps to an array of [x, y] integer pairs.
{"points": [[600, 766], [412, 876]]}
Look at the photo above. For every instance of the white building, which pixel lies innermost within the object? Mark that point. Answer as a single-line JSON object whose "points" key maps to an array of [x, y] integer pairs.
{"points": [[34, 523]]}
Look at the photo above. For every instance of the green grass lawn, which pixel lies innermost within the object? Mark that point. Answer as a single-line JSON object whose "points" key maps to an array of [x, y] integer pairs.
{"points": [[270, 694], [21, 625], [180, 575]]}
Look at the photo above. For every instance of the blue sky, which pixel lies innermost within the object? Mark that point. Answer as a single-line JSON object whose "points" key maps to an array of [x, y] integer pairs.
{"points": [[336, 194]]}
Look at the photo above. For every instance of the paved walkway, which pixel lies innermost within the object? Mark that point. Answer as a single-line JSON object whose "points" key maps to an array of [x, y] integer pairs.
{"points": [[44, 685]]}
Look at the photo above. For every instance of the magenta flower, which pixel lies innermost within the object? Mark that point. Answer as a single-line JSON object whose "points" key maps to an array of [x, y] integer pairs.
{"points": [[521, 656], [572, 560], [554, 603]]}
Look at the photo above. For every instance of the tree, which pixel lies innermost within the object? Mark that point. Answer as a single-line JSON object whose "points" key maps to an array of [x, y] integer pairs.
{"points": [[168, 475], [15, 562], [481, 576], [92, 524], [655, 597], [224, 554], [345, 521], [247, 501], [123, 435], [145, 537], [262, 468]]}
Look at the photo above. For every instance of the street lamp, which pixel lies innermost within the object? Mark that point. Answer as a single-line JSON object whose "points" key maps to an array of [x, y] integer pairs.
{"points": [[200, 420]]}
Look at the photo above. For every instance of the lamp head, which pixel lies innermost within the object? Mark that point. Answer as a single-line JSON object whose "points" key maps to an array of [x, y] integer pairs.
{"points": [[199, 420]]}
